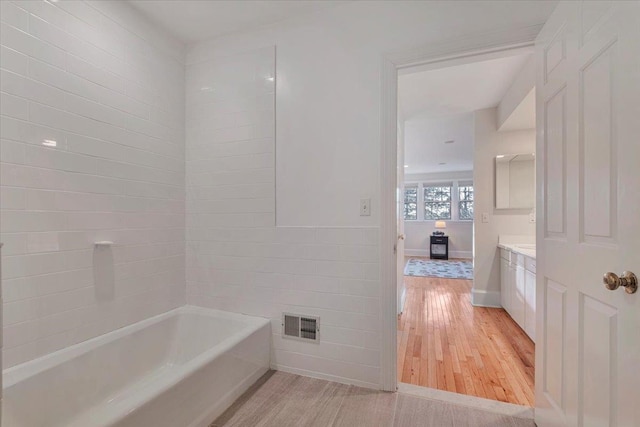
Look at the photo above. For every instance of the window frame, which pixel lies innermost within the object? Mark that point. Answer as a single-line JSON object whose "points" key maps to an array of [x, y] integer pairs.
{"points": [[455, 198], [448, 185], [404, 201], [472, 200]]}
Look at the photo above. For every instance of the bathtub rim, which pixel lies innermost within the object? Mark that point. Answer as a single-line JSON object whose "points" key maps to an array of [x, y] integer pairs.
{"points": [[23, 371]]}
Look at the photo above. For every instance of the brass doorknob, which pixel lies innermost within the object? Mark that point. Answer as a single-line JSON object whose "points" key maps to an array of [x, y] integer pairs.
{"points": [[628, 281]]}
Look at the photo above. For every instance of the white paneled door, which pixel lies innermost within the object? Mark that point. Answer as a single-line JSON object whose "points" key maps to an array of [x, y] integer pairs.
{"points": [[588, 120]]}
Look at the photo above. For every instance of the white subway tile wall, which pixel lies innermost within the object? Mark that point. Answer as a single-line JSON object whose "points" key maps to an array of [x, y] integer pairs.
{"points": [[92, 128], [238, 260], [93, 148]]}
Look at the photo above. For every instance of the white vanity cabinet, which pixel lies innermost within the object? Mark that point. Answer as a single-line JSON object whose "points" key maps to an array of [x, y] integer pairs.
{"points": [[505, 291], [518, 289]]}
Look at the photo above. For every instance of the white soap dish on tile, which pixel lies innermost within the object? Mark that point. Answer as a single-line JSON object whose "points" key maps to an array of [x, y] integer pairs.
{"points": [[103, 243]]}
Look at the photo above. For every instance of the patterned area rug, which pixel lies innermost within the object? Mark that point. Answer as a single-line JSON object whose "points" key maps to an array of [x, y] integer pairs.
{"points": [[449, 269]]}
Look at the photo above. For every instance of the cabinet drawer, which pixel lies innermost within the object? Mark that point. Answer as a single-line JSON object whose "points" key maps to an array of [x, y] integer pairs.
{"points": [[530, 264], [441, 240], [518, 259], [505, 254]]}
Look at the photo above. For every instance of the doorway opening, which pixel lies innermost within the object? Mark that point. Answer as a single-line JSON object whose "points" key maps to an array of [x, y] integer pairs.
{"points": [[466, 222]]}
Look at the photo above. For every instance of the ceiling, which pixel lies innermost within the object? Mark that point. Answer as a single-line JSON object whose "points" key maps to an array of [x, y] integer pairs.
{"points": [[192, 21], [425, 146], [458, 89], [437, 106]]}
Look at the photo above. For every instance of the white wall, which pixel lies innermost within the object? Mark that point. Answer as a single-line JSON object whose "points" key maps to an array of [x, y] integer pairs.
{"points": [[460, 238], [460, 232], [522, 85], [108, 87], [237, 259], [489, 143]]}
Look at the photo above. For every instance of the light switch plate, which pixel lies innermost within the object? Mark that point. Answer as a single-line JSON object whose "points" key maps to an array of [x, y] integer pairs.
{"points": [[365, 207]]}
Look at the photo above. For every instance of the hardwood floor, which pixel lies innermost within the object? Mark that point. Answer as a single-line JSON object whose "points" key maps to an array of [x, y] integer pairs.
{"points": [[446, 343], [280, 399]]}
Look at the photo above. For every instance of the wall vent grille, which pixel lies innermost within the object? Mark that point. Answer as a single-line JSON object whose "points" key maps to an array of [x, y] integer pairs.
{"points": [[301, 327]]}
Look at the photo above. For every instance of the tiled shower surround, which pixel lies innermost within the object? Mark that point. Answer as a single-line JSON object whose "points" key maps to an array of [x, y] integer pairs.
{"points": [[103, 86], [109, 89]]}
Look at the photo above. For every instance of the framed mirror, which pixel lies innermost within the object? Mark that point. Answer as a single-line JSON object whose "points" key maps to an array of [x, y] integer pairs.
{"points": [[515, 181]]}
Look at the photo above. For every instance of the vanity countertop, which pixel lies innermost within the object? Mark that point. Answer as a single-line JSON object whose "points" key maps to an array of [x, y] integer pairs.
{"points": [[526, 249]]}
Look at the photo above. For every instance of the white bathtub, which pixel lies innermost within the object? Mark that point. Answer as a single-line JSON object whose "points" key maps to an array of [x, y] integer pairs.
{"points": [[179, 369]]}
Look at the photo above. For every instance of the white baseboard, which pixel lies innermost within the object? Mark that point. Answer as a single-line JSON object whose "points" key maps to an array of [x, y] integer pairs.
{"points": [[480, 298], [416, 252], [425, 253], [321, 376]]}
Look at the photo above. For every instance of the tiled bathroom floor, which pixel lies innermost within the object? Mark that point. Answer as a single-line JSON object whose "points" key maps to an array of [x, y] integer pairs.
{"points": [[280, 399]]}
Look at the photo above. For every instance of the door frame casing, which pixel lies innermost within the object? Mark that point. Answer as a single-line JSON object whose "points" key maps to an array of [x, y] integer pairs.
{"points": [[468, 49]]}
